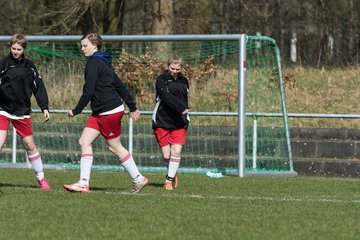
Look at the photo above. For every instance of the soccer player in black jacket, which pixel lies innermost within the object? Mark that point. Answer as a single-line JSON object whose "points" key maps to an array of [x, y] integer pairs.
{"points": [[19, 80], [104, 89], [171, 117]]}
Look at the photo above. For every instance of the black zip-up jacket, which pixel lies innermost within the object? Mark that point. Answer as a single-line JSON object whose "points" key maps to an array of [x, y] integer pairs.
{"points": [[19, 80], [103, 87], [171, 102]]}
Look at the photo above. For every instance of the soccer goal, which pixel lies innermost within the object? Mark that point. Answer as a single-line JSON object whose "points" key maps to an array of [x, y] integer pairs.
{"points": [[238, 114]]}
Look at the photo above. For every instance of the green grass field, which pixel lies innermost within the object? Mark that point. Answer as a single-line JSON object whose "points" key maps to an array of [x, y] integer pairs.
{"points": [[201, 208]]}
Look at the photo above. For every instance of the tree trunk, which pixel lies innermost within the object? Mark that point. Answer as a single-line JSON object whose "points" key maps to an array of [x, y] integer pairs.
{"points": [[162, 24], [115, 16]]}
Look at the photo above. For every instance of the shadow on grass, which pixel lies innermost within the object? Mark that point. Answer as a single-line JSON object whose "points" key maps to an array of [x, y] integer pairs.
{"points": [[95, 189], [158, 185], [18, 185], [108, 189], [117, 189]]}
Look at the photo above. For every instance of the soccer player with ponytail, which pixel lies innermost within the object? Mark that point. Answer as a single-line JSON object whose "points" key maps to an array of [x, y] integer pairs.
{"points": [[19, 80]]}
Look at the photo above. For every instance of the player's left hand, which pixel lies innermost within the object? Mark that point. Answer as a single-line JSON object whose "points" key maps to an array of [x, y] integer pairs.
{"points": [[135, 115], [70, 113], [46, 115], [186, 111]]}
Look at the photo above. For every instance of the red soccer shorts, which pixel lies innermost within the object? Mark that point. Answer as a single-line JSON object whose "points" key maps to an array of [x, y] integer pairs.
{"points": [[23, 126], [172, 136], [108, 125]]}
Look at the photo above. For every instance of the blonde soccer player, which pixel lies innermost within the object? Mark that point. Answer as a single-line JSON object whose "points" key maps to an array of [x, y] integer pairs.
{"points": [[19, 81], [171, 117]]}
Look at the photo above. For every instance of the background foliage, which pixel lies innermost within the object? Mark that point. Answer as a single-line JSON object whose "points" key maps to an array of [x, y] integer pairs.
{"points": [[327, 31]]}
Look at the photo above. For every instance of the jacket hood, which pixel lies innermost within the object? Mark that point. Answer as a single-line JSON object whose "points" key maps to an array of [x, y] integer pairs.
{"points": [[104, 56]]}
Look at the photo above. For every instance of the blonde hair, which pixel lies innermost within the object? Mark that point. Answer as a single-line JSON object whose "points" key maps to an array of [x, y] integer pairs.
{"points": [[95, 39], [19, 39], [175, 58]]}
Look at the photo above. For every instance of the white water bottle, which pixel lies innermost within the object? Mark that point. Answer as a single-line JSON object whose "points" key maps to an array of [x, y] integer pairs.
{"points": [[214, 175]]}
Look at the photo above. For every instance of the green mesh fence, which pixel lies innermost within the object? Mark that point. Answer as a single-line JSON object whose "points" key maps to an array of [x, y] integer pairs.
{"points": [[212, 139]]}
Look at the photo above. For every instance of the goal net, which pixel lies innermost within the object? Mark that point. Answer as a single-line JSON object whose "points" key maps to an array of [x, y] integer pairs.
{"points": [[218, 138]]}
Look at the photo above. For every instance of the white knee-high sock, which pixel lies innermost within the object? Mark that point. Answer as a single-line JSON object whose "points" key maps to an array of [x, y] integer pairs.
{"points": [[174, 163], [36, 163], [86, 162], [129, 164]]}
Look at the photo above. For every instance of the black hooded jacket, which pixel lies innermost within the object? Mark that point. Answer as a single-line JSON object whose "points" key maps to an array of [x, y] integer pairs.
{"points": [[103, 86], [171, 101], [19, 80]]}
